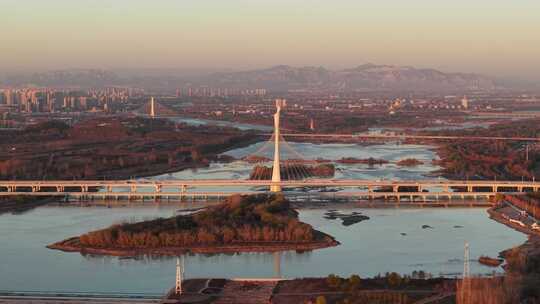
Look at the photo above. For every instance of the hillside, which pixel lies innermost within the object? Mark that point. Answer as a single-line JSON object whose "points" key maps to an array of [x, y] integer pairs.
{"points": [[368, 77], [364, 77]]}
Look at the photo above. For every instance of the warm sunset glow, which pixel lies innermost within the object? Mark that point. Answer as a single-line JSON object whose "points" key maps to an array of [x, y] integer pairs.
{"points": [[496, 37]]}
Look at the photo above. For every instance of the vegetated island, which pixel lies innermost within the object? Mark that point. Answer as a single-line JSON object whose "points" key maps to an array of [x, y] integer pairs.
{"points": [[368, 161], [293, 171], [242, 224], [409, 162]]}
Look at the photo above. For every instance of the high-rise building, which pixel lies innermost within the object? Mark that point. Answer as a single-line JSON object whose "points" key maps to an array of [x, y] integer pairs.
{"points": [[465, 102], [9, 97]]}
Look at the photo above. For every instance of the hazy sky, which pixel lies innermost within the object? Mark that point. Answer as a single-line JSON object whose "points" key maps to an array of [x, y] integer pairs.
{"points": [[498, 37]]}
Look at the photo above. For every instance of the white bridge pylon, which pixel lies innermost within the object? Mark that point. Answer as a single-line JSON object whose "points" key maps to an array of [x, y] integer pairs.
{"points": [[276, 174]]}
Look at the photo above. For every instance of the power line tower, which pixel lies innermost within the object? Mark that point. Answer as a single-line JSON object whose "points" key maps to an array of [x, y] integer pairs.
{"points": [[179, 276], [465, 294]]}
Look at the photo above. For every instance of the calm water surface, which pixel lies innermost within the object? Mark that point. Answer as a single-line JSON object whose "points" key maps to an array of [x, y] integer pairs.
{"points": [[221, 123], [370, 247]]}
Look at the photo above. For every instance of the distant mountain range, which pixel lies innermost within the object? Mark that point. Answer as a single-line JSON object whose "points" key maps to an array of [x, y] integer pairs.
{"points": [[367, 77]]}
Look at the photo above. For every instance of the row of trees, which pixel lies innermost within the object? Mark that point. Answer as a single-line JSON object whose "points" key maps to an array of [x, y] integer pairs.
{"points": [[243, 219], [354, 287]]}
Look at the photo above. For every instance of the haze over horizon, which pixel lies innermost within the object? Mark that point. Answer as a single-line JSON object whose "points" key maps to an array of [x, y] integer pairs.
{"points": [[496, 38]]}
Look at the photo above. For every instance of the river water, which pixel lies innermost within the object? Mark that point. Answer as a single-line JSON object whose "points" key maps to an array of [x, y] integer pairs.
{"points": [[391, 152], [220, 123], [391, 240]]}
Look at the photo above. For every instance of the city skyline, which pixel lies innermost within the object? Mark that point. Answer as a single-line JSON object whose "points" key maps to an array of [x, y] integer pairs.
{"points": [[495, 38]]}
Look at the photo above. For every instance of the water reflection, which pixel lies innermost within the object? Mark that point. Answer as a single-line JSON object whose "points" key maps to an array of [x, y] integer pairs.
{"points": [[368, 248], [391, 240]]}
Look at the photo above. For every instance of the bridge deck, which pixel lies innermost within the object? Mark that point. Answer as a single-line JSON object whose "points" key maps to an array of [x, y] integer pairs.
{"points": [[370, 189], [289, 183]]}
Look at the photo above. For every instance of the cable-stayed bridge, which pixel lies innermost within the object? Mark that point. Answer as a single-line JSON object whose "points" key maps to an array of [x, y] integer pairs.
{"points": [[295, 181]]}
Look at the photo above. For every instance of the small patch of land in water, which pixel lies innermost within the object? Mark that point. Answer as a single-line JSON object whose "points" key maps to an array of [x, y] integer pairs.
{"points": [[241, 224], [489, 261], [409, 162], [346, 219], [293, 171], [368, 161]]}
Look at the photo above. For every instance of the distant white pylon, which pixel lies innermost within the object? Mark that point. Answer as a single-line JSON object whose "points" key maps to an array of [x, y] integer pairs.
{"points": [[179, 276], [152, 107]]}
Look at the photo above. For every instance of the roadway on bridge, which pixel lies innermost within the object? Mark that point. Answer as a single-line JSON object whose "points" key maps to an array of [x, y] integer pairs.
{"points": [[404, 136]]}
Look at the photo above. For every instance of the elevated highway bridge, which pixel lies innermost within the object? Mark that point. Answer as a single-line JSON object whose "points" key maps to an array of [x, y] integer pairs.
{"points": [[176, 188], [407, 136], [194, 188]]}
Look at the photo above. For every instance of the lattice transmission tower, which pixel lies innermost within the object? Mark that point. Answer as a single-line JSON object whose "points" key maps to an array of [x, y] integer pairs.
{"points": [[465, 293], [179, 276]]}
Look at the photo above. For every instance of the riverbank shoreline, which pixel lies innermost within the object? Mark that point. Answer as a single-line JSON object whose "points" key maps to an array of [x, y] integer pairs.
{"points": [[261, 223], [21, 204], [498, 217], [301, 205], [174, 251]]}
